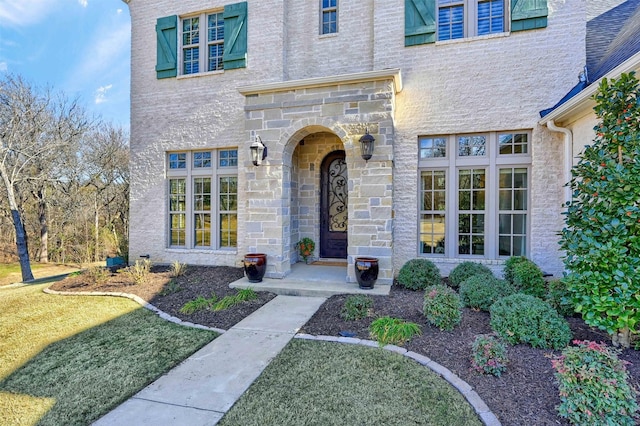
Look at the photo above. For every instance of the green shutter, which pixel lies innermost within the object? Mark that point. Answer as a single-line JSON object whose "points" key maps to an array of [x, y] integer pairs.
{"points": [[528, 14], [419, 22], [167, 47], [235, 36]]}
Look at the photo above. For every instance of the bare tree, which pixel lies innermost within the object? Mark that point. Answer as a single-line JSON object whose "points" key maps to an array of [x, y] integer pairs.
{"points": [[37, 130]]}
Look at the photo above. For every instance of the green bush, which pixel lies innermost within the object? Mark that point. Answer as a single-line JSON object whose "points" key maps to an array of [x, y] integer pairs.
{"points": [[98, 274], [521, 318], [356, 307], [509, 265], [481, 291], [418, 274], [466, 270], [393, 331], [594, 387], [559, 298], [442, 307], [528, 279], [489, 355]]}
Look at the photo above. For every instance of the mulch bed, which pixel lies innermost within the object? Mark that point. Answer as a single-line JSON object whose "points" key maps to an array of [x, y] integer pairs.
{"points": [[525, 394]]}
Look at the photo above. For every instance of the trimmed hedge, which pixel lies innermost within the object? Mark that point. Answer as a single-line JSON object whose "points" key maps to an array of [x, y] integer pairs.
{"points": [[418, 274], [521, 318], [482, 291], [528, 279], [466, 270]]}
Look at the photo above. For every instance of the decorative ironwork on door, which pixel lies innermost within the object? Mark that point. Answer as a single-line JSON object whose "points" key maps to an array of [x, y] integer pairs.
{"points": [[338, 214], [334, 212]]}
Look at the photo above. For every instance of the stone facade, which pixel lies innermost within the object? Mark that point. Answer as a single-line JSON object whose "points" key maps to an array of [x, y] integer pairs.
{"points": [[307, 95]]}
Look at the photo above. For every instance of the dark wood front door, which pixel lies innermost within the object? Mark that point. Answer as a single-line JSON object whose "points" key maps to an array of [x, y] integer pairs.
{"points": [[333, 206]]}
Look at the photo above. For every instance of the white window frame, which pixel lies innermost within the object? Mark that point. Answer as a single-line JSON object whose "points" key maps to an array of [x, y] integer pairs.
{"points": [[470, 17], [215, 171], [329, 9], [492, 161], [202, 45]]}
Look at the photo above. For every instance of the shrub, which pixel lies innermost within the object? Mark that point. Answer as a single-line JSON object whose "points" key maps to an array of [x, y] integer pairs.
{"points": [[594, 387], [393, 331], [521, 318], [509, 265], [139, 272], [559, 298], [603, 219], [489, 355], [418, 274], [356, 307], [98, 274], [481, 291], [442, 307], [466, 270], [527, 278], [178, 269]]}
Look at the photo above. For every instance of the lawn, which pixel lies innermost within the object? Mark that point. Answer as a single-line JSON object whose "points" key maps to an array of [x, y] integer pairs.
{"points": [[10, 272], [324, 383], [69, 360]]}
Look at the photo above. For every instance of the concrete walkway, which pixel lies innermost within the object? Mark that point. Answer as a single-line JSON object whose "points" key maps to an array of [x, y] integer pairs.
{"points": [[205, 386]]}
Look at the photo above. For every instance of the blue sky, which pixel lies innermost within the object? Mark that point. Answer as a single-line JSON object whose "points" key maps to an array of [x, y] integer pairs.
{"points": [[79, 47]]}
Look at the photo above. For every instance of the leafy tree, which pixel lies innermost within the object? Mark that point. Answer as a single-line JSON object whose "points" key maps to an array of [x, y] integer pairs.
{"points": [[602, 233]]}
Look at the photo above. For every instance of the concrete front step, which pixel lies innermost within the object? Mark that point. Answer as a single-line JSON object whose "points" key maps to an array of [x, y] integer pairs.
{"points": [[312, 281]]}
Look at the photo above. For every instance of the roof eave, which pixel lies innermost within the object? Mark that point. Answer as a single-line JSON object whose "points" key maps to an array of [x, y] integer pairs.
{"points": [[584, 99]]}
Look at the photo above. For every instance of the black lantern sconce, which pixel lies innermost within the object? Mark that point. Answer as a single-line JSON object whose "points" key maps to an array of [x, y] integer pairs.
{"points": [[258, 151], [366, 143]]}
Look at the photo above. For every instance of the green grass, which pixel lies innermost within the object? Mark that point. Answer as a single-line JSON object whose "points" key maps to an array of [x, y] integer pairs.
{"points": [[70, 359], [323, 383]]}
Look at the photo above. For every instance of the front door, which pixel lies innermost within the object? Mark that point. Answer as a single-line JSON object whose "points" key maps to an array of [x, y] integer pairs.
{"points": [[333, 206]]}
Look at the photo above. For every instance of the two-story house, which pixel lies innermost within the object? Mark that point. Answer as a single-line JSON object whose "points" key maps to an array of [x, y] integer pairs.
{"points": [[462, 166]]}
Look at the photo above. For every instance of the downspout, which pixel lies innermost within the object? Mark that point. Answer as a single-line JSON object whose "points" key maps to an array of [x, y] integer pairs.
{"points": [[568, 155]]}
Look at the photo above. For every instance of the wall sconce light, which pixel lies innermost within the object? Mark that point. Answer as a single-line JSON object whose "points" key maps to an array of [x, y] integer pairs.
{"points": [[258, 151], [366, 143]]}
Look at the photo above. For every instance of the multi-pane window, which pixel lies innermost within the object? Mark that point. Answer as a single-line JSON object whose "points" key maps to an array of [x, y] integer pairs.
{"points": [[177, 211], [468, 18], [328, 16], [433, 211], [203, 198], [512, 210], [474, 194], [202, 43]]}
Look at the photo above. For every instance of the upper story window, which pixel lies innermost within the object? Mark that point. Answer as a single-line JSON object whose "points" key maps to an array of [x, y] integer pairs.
{"points": [[196, 43], [202, 46], [468, 18], [328, 16], [428, 21]]}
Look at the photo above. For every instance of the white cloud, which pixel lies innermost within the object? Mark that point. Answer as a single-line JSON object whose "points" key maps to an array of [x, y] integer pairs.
{"points": [[83, 3], [24, 12], [4, 67], [101, 94], [119, 11]]}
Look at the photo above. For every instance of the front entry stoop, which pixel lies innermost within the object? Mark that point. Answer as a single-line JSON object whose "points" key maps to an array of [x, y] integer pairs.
{"points": [[312, 281]]}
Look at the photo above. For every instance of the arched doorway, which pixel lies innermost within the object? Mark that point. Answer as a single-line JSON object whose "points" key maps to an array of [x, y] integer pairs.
{"points": [[334, 203]]}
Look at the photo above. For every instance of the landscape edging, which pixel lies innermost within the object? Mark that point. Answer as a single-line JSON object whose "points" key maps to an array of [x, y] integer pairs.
{"points": [[138, 300]]}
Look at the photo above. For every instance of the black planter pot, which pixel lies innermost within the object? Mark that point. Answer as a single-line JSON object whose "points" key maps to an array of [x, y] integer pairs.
{"points": [[255, 265], [366, 271]]}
